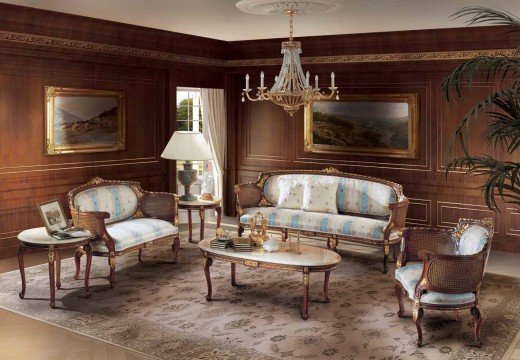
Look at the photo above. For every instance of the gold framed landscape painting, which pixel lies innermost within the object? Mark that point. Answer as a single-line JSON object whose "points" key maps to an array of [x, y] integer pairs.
{"points": [[84, 120], [384, 125]]}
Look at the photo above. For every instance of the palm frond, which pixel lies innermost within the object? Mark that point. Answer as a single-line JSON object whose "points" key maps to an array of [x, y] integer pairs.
{"points": [[502, 178], [504, 130], [486, 66], [479, 15]]}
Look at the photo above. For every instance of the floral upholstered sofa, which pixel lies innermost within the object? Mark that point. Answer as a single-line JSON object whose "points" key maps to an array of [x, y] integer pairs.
{"points": [[124, 218], [340, 206]]}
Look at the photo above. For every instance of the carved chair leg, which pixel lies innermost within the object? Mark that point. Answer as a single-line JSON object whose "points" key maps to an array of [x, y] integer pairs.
{"points": [[477, 320], [112, 264], [175, 247], [77, 259], [395, 251], [386, 250], [328, 243], [334, 243], [285, 234], [399, 293], [417, 315]]}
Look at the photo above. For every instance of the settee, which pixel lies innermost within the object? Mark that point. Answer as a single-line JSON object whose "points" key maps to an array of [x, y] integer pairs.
{"points": [[367, 210], [124, 218]]}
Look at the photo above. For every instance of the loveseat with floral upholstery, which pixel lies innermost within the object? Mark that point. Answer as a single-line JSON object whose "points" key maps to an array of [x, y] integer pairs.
{"points": [[124, 218], [328, 204]]}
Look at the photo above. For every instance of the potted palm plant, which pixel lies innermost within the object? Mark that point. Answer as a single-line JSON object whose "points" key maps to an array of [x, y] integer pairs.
{"points": [[502, 110]]}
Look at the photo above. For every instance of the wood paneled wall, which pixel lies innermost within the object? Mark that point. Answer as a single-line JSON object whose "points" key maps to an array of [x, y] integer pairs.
{"points": [[40, 48], [264, 137]]}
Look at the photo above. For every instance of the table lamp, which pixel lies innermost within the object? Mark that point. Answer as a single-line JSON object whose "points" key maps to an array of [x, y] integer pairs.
{"points": [[188, 146]]}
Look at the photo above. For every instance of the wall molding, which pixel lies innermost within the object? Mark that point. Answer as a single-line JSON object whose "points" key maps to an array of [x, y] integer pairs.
{"points": [[56, 42]]}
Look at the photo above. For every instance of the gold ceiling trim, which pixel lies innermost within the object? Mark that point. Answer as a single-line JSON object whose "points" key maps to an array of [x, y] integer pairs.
{"points": [[166, 56]]}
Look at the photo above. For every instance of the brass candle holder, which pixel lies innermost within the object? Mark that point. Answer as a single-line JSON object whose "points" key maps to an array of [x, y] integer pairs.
{"points": [[258, 226]]}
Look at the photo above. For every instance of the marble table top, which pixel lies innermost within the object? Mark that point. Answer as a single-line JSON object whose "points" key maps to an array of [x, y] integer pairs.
{"points": [[309, 255]]}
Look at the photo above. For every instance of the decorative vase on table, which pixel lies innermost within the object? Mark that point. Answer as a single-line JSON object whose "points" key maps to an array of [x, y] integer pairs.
{"points": [[207, 183], [188, 146]]}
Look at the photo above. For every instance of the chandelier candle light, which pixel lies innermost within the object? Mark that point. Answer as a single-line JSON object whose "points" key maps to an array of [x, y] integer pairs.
{"points": [[291, 88]]}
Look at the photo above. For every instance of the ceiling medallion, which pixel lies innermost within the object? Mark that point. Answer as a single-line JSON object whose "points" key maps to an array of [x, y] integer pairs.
{"points": [[291, 87]]}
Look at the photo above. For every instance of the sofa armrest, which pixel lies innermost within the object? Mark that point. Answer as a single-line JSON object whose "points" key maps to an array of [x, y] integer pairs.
{"points": [[248, 195], [93, 221], [398, 212], [160, 205]]}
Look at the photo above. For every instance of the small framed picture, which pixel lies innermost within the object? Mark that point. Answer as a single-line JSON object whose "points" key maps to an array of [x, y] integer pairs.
{"points": [[53, 216]]}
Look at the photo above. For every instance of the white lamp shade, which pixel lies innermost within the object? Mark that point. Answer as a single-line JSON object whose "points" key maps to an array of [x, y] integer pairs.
{"points": [[188, 146]]}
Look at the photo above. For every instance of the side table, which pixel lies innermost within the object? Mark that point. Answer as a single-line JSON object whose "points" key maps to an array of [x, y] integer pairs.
{"points": [[38, 238], [201, 206]]}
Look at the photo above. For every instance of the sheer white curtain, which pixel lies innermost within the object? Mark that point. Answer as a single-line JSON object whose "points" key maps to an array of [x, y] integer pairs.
{"points": [[214, 130]]}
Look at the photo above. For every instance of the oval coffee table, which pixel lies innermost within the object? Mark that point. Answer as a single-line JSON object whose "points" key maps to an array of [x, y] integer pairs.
{"points": [[310, 259]]}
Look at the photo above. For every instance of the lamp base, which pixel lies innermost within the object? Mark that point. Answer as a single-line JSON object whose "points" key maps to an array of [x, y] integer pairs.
{"points": [[187, 176], [188, 197]]}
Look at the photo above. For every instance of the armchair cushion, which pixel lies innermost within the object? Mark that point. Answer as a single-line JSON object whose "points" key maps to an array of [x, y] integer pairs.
{"points": [[119, 201], [409, 276], [136, 231], [347, 225], [473, 240]]}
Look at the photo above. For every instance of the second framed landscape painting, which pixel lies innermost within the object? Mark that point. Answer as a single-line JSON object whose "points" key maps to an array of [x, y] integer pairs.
{"points": [[383, 125], [84, 120]]}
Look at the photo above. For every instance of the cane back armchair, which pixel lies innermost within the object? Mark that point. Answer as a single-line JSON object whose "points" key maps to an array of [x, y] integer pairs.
{"points": [[451, 272], [124, 218]]}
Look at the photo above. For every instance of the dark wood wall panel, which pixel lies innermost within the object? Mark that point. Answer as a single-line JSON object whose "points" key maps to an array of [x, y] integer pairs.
{"points": [[29, 177], [435, 200]]}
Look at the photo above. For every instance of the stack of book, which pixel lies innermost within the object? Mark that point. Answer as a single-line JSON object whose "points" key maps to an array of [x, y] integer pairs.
{"points": [[241, 244], [219, 243]]}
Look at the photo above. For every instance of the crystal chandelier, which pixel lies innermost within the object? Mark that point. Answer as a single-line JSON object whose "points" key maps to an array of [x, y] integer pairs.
{"points": [[292, 87]]}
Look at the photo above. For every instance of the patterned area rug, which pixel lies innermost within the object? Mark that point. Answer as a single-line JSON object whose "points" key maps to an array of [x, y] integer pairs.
{"points": [[159, 309]]}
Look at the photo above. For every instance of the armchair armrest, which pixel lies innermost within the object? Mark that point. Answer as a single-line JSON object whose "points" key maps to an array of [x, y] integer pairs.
{"points": [[415, 239], [160, 205], [94, 221], [451, 274], [248, 195]]}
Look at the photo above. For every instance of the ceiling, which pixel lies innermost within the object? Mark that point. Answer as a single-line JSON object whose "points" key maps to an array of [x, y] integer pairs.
{"points": [[220, 19]]}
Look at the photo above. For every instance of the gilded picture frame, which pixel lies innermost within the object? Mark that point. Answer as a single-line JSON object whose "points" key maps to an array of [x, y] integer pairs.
{"points": [[83, 120], [382, 125]]}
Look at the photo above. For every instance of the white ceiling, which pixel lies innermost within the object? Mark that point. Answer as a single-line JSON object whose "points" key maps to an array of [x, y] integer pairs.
{"points": [[220, 19]]}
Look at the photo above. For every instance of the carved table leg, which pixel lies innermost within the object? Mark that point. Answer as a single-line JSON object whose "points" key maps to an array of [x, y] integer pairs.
{"points": [[202, 215], [207, 264], [190, 229], [52, 278], [88, 251], [58, 270], [21, 250], [233, 274], [305, 304], [140, 255], [219, 215], [326, 287], [77, 259]]}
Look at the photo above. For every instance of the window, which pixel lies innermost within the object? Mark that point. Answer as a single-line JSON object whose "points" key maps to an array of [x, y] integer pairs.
{"points": [[189, 118]]}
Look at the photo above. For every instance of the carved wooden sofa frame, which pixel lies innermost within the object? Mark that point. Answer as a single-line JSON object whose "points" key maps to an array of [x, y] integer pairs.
{"points": [[252, 195], [158, 205]]}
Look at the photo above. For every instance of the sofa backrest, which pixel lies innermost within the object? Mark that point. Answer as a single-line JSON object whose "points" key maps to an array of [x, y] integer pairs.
{"points": [[356, 194], [119, 200]]}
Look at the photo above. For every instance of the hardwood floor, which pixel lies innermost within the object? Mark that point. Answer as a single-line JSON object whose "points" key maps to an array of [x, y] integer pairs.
{"points": [[25, 338]]}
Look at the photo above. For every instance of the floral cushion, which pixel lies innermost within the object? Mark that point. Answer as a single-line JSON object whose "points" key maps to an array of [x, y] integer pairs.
{"points": [[119, 201], [326, 223], [291, 193], [319, 194], [473, 240], [136, 231], [409, 276], [353, 195]]}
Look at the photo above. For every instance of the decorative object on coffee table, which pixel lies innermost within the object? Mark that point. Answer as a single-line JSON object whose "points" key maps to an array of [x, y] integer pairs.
{"points": [[38, 238], [450, 275], [312, 259], [258, 227], [208, 184], [201, 206], [53, 216], [188, 146]]}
